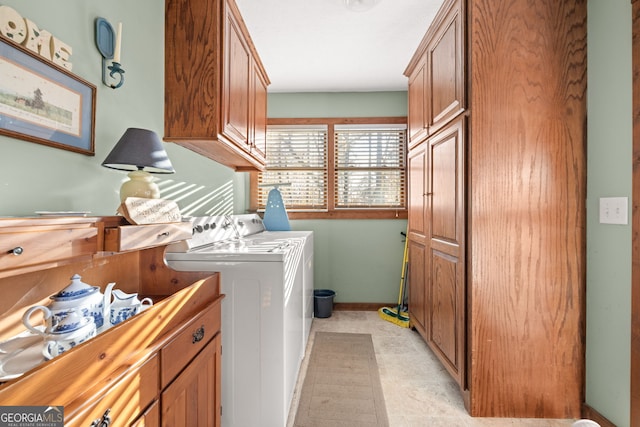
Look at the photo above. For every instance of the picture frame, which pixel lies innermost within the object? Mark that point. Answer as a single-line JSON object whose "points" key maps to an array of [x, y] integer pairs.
{"points": [[44, 103]]}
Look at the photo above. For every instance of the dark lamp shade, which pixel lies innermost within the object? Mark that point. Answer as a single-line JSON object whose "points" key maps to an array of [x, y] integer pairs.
{"points": [[139, 149]]}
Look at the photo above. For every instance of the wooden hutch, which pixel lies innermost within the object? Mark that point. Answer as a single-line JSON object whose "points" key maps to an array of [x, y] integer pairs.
{"points": [[152, 369]]}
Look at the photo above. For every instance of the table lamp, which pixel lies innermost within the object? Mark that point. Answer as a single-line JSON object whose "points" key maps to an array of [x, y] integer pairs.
{"points": [[139, 151]]}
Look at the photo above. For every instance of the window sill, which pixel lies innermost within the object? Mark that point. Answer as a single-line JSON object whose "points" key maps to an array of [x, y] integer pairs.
{"points": [[350, 214]]}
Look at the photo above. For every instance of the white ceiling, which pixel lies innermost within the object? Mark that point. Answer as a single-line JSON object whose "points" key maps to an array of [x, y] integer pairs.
{"points": [[321, 46]]}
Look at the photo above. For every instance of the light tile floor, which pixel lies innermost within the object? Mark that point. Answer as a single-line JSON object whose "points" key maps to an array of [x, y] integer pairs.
{"points": [[417, 389]]}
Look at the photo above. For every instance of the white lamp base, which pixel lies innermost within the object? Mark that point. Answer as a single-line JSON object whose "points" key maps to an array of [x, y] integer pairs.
{"points": [[140, 185]]}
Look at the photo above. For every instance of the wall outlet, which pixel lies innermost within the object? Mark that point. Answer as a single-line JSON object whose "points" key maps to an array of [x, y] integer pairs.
{"points": [[613, 210]]}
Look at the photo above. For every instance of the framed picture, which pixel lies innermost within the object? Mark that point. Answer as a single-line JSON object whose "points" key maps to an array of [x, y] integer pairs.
{"points": [[44, 103]]}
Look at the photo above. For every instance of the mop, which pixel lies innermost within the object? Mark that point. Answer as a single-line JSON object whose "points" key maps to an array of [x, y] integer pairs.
{"points": [[397, 315]]}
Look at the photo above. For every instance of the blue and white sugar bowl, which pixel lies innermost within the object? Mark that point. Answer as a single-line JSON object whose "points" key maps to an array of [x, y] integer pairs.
{"points": [[68, 333]]}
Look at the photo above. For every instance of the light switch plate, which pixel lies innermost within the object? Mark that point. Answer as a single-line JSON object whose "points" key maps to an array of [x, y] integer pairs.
{"points": [[614, 210]]}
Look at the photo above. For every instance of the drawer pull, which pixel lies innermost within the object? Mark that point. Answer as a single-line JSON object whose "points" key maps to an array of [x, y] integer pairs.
{"points": [[105, 421], [16, 251], [165, 234], [198, 335]]}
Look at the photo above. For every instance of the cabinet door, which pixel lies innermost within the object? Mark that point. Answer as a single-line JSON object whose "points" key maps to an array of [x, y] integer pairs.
{"points": [[237, 74], [418, 114], [445, 247], [259, 121], [193, 399], [417, 167], [445, 89], [192, 70], [417, 287]]}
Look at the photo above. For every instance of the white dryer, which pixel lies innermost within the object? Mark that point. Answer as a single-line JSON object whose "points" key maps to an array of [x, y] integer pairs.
{"points": [[267, 279]]}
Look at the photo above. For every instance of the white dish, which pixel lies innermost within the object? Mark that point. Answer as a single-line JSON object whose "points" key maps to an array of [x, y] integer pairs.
{"points": [[17, 363], [20, 354], [62, 213], [19, 342]]}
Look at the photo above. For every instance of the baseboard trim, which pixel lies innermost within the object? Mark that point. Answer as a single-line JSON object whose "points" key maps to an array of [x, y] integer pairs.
{"points": [[361, 306], [590, 413]]}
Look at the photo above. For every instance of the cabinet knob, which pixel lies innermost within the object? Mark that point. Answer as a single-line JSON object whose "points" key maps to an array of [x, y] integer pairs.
{"points": [[165, 234], [198, 335], [16, 251]]}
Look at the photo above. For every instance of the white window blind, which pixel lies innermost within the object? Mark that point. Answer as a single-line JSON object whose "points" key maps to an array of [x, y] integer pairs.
{"points": [[370, 166], [336, 167], [296, 155]]}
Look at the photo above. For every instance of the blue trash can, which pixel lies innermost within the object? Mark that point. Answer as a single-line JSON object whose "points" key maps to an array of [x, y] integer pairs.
{"points": [[323, 302]]}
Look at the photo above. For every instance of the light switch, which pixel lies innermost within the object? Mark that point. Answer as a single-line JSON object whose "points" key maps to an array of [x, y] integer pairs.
{"points": [[613, 210]]}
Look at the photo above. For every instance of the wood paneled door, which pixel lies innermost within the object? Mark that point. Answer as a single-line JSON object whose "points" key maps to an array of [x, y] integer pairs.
{"points": [[437, 293], [446, 272]]}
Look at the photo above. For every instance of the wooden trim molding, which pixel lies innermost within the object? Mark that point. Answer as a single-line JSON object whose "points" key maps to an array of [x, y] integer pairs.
{"points": [[361, 306], [591, 414], [635, 252]]}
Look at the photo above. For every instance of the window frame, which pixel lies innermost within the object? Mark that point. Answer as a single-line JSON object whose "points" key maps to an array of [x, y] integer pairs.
{"points": [[332, 212]]}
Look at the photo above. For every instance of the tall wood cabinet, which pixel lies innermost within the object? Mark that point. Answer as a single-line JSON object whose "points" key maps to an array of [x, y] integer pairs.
{"points": [[437, 185], [149, 370], [215, 83], [497, 186]]}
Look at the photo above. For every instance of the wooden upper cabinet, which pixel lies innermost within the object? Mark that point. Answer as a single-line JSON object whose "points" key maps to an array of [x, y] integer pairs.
{"points": [[237, 82], [212, 102], [446, 69], [436, 74], [418, 103], [259, 104]]}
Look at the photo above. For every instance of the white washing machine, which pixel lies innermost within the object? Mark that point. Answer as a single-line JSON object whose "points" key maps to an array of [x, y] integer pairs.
{"points": [[267, 279]]}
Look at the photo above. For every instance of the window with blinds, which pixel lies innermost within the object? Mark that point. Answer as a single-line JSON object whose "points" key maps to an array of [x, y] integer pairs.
{"points": [[370, 165], [336, 168], [296, 155]]}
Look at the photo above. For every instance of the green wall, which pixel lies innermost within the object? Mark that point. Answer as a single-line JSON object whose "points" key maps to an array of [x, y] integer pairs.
{"points": [[337, 104], [609, 175], [36, 177], [359, 259]]}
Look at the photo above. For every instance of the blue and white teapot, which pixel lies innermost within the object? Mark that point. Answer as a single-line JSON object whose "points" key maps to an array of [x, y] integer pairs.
{"points": [[86, 299], [78, 297]]}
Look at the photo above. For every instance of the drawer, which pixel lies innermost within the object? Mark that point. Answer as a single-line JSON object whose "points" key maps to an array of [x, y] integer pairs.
{"points": [[125, 400], [41, 245], [134, 237], [188, 342]]}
